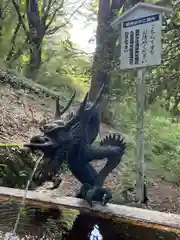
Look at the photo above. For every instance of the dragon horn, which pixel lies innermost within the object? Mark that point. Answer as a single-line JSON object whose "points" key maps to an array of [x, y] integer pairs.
{"points": [[59, 112], [98, 98], [83, 104], [74, 118]]}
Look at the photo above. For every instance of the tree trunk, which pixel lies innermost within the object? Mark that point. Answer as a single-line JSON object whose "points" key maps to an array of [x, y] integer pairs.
{"points": [[106, 39], [105, 46], [1, 19], [36, 35], [35, 59]]}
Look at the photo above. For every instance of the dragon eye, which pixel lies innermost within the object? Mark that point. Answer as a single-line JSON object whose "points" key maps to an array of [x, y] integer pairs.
{"points": [[46, 139]]}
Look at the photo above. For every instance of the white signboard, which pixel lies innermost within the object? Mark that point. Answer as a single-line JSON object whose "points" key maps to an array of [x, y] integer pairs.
{"points": [[141, 42]]}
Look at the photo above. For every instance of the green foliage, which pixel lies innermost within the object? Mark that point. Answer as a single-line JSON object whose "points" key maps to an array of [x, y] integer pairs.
{"points": [[15, 167], [161, 141], [64, 68], [18, 82], [166, 77], [161, 80], [17, 41], [161, 134]]}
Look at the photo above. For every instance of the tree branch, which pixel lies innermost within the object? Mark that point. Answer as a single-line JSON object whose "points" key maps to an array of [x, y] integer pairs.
{"points": [[19, 52], [43, 7], [4, 10], [52, 31], [46, 13], [16, 6], [116, 6], [54, 15], [9, 55]]}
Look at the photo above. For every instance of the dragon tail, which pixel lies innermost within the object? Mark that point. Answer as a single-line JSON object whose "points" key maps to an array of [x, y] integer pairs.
{"points": [[114, 140]]}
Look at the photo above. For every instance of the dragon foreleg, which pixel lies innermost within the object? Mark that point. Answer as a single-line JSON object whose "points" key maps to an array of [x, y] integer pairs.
{"points": [[112, 148]]}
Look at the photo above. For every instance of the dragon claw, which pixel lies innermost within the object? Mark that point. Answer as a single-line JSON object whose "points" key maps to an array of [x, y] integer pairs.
{"points": [[106, 197], [89, 197], [98, 194], [56, 182]]}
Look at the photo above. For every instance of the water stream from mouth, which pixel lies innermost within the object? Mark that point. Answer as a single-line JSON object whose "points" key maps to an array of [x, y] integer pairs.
{"points": [[12, 235]]}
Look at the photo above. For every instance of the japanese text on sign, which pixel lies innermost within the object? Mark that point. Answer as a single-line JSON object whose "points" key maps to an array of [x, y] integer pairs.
{"points": [[141, 42]]}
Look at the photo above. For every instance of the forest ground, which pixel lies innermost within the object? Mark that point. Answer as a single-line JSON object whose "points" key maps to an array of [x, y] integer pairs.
{"points": [[17, 125]]}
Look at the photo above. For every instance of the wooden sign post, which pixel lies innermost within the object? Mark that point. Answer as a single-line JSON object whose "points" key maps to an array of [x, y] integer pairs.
{"points": [[140, 48]]}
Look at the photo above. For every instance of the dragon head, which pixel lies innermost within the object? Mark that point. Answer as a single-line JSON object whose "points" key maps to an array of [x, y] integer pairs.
{"points": [[59, 132], [50, 146]]}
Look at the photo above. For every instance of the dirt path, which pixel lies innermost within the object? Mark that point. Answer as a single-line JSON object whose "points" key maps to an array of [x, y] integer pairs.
{"points": [[20, 117]]}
